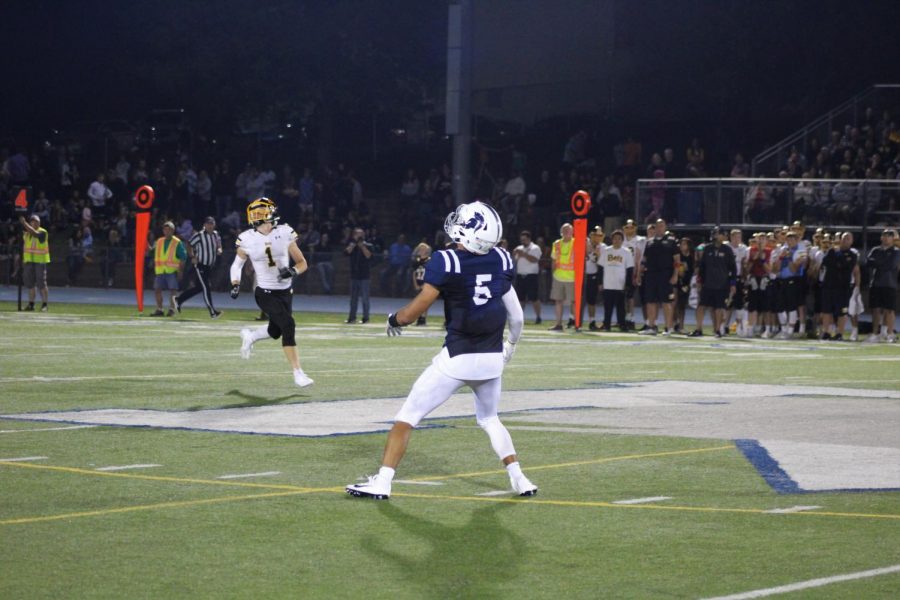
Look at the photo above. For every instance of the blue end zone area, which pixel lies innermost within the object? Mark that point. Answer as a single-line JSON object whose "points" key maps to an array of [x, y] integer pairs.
{"points": [[768, 467]]}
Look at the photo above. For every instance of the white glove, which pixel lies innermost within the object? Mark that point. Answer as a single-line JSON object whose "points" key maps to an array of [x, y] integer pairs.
{"points": [[509, 348], [393, 327]]}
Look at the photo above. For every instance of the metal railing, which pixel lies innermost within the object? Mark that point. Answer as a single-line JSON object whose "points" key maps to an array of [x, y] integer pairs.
{"points": [[877, 97], [849, 204]]}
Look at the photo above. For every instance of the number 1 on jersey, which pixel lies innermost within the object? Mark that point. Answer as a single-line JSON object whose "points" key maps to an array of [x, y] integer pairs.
{"points": [[269, 255], [482, 292]]}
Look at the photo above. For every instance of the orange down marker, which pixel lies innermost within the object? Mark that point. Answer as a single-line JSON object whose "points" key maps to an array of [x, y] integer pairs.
{"points": [[581, 204], [143, 198]]}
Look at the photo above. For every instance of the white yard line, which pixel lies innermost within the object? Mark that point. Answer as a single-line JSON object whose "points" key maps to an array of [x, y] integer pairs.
{"points": [[23, 458], [810, 583], [495, 493], [643, 500], [243, 475], [46, 429], [411, 482], [126, 467], [793, 509]]}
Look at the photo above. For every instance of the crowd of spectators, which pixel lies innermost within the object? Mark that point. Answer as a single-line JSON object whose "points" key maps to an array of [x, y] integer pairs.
{"points": [[95, 212], [869, 151]]}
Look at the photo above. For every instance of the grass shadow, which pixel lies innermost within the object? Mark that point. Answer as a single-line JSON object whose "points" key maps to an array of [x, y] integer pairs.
{"points": [[474, 560], [249, 401]]}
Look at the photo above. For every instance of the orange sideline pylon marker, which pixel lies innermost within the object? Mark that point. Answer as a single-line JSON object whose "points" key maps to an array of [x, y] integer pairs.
{"points": [[143, 198], [581, 204]]}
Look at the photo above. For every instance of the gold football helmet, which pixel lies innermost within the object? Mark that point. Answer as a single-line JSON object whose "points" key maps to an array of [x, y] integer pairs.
{"points": [[261, 210]]}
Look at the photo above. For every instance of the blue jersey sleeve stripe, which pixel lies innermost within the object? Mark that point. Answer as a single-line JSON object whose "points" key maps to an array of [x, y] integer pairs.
{"points": [[505, 258], [456, 266], [443, 255]]}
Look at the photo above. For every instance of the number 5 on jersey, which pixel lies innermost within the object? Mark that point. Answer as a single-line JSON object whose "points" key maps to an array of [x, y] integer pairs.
{"points": [[482, 292]]}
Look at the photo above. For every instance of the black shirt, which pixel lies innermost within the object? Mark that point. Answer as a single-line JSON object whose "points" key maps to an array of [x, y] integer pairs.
{"points": [[659, 255], [838, 266], [687, 270], [883, 265], [717, 269], [359, 263]]}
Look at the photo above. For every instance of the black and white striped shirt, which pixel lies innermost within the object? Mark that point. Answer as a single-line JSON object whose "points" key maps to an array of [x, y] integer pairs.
{"points": [[206, 247]]}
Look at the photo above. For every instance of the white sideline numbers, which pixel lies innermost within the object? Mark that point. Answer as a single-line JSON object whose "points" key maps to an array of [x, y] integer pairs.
{"points": [[482, 292]]}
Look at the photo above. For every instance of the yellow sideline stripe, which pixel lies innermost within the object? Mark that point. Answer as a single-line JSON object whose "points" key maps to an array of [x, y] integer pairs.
{"points": [[126, 509], [267, 486], [590, 504], [296, 490], [274, 486], [593, 461]]}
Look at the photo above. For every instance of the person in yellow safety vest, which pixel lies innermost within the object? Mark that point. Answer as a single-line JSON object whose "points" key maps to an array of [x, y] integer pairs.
{"points": [[562, 291], [169, 255], [35, 258]]}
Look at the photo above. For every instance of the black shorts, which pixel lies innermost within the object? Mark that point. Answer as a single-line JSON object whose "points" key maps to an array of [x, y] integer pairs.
{"points": [[713, 298], [789, 294], [591, 283], [884, 298], [738, 301], [275, 303], [527, 287], [835, 301], [816, 288], [758, 294], [657, 289]]}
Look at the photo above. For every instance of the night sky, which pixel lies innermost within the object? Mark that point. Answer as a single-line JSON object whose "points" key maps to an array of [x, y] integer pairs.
{"points": [[728, 67]]}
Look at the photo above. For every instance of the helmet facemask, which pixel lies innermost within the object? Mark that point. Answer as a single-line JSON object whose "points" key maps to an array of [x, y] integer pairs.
{"points": [[262, 210]]}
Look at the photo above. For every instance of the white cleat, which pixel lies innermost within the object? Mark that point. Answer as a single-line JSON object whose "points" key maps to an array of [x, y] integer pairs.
{"points": [[522, 486], [854, 337], [890, 339], [246, 343], [301, 378], [873, 339], [374, 488]]}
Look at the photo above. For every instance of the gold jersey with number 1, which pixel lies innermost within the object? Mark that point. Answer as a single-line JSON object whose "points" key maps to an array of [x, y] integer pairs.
{"points": [[268, 253]]}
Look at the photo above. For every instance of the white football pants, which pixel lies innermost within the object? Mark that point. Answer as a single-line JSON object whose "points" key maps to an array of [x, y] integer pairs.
{"points": [[433, 388]]}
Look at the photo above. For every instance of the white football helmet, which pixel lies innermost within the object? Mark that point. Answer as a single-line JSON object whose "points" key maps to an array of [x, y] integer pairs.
{"points": [[476, 226]]}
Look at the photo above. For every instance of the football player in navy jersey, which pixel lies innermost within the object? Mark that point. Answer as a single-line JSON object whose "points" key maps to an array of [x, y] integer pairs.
{"points": [[475, 280]]}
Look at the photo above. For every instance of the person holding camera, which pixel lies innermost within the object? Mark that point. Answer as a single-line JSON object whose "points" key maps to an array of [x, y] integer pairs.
{"points": [[360, 252]]}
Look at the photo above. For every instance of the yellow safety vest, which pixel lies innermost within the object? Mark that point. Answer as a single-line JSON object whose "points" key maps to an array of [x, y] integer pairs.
{"points": [[35, 250], [564, 267], [165, 259]]}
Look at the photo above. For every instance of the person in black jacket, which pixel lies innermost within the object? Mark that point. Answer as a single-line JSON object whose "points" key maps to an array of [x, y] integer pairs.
{"points": [[884, 264], [716, 279], [841, 265]]}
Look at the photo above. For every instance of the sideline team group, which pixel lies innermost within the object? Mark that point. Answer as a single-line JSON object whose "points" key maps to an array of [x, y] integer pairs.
{"points": [[780, 285]]}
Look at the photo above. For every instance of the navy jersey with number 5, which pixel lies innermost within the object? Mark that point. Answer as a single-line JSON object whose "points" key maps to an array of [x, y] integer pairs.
{"points": [[472, 286]]}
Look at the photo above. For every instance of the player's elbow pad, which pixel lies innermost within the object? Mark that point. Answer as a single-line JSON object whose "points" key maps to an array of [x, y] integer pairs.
{"points": [[236, 267]]}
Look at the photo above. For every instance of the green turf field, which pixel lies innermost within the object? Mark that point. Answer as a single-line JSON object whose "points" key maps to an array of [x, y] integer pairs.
{"points": [[69, 530]]}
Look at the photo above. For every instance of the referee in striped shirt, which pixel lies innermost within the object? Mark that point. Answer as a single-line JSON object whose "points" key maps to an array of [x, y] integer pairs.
{"points": [[204, 248]]}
